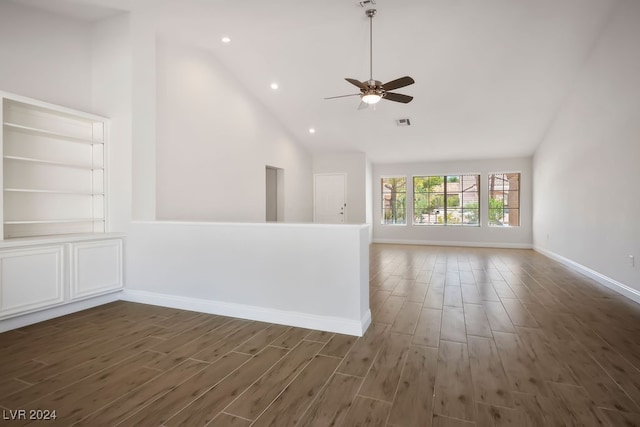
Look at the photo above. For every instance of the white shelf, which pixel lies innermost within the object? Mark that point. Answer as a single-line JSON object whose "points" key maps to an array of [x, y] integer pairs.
{"points": [[54, 171], [29, 190], [36, 131], [50, 162], [54, 221]]}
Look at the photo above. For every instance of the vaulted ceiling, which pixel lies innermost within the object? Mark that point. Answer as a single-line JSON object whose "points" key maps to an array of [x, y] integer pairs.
{"points": [[490, 74]]}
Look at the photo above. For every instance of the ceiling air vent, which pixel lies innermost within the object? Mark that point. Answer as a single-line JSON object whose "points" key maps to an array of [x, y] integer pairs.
{"points": [[403, 122]]}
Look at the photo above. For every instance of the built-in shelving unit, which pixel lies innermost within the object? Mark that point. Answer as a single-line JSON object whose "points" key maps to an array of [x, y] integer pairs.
{"points": [[53, 178], [55, 248]]}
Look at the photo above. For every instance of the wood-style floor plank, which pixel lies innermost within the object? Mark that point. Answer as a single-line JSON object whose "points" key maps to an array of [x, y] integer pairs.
{"points": [[261, 393], [164, 407], [68, 377], [470, 294], [453, 328], [427, 330], [203, 409], [382, 380], [498, 416], [434, 298], [262, 339], [390, 309], [359, 359], [338, 346], [489, 380], [289, 407], [367, 412], [132, 402], [407, 319], [499, 320], [454, 389], [442, 421], [577, 407], [617, 418], [476, 322], [413, 405], [226, 420], [333, 403], [518, 314], [418, 292], [519, 365], [452, 296]]}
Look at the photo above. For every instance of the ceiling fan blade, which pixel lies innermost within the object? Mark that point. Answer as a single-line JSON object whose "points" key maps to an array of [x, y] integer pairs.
{"points": [[363, 105], [357, 83], [343, 96], [398, 83], [398, 97]]}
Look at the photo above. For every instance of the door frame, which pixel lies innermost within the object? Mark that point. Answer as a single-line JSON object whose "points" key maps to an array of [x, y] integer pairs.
{"points": [[344, 176]]}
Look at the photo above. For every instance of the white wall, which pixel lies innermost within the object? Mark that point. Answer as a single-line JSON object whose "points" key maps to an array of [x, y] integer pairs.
{"points": [[213, 142], [368, 176], [111, 97], [45, 56], [586, 171], [517, 237], [308, 275], [354, 166]]}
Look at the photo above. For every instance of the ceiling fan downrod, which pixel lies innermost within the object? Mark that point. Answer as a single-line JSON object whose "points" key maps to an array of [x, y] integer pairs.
{"points": [[370, 14]]}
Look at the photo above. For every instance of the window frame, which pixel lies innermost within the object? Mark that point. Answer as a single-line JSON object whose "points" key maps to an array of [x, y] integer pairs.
{"points": [[445, 197], [382, 201], [488, 200]]}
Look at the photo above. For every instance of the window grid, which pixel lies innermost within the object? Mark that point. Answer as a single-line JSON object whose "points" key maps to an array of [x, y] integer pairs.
{"points": [[394, 200], [446, 200], [504, 200]]}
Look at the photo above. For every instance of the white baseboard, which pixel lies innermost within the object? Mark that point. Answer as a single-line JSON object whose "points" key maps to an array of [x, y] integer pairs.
{"points": [[610, 283], [450, 243], [302, 320], [53, 312]]}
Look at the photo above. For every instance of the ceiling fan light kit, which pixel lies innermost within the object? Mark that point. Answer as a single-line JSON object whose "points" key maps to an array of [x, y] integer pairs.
{"points": [[373, 91]]}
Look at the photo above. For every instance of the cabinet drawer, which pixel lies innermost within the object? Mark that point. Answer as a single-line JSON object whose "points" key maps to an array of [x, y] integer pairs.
{"points": [[31, 278]]}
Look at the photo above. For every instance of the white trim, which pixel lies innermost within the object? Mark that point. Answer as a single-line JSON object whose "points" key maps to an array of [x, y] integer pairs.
{"points": [[614, 285], [455, 243], [291, 318], [52, 313]]}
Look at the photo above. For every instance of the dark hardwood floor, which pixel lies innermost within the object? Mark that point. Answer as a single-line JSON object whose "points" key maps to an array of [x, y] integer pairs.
{"points": [[460, 337]]}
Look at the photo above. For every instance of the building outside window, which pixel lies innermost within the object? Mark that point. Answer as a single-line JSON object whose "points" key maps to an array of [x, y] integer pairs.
{"points": [[504, 200]]}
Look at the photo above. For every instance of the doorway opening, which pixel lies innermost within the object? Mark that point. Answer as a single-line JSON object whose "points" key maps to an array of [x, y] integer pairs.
{"points": [[274, 179]]}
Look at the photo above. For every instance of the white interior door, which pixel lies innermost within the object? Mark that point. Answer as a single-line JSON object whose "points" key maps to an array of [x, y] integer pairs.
{"points": [[329, 198]]}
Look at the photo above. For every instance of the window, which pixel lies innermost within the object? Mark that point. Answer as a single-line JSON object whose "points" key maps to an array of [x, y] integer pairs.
{"points": [[394, 200], [504, 200], [446, 200]]}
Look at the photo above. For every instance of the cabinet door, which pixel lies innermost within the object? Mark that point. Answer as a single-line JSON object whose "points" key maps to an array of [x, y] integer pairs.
{"points": [[95, 267], [31, 279]]}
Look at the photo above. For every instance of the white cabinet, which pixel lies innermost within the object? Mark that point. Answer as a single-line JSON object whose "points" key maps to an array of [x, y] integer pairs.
{"points": [[54, 171], [95, 267], [39, 273], [31, 278]]}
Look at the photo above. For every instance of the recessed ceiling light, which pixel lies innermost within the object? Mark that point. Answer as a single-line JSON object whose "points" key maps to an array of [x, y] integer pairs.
{"points": [[274, 86], [226, 39], [312, 130]]}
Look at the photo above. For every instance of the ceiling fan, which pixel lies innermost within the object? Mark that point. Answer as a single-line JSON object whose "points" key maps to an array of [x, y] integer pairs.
{"points": [[372, 91]]}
